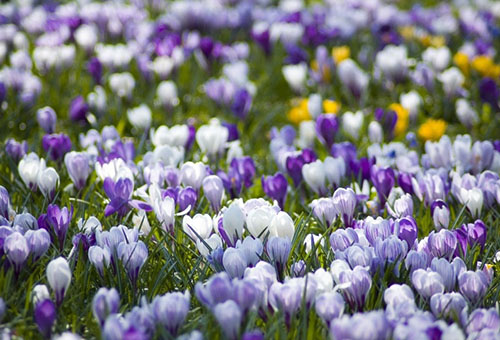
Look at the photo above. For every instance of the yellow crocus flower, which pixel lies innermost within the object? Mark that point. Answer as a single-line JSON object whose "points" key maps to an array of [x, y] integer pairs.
{"points": [[432, 129], [299, 113], [331, 106], [462, 61], [341, 53]]}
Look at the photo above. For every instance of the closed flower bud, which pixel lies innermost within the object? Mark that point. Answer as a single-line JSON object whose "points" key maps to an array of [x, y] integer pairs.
{"points": [[105, 302], [234, 262], [140, 117], [133, 256], [48, 181], [170, 310], [275, 187], [45, 315], [99, 257], [47, 119], [375, 133], [38, 242], [29, 168], [78, 167], [329, 305], [229, 317], [258, 221], [212, 138], [282, 226], [59, 277], [192, 174], [440, 214], [473, 285], [197, 227], [16, 248], [344, 201], [324, 210], [314, 175], [213, 190], [427, 283]]}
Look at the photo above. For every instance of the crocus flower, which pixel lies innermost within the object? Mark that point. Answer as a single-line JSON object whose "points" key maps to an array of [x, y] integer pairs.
{"points": [[56, 145], [17, 250], [440, 214], [29, 167], [186, 198], [383, 180], [192, 174], [78, 109], [58, 220], [216, 290], [198, 227], [78, 167], [213, 190], [94, 67], [234, 262], [489, 92], [278, 250], [15, 149], [105, 302], [327, 126], [473, 285], [47, 119], [211, 138], [375, 324], [48, 181], [4, 202], [282, 226], [344, 201], [315, 176], [329, 305], [170, 310], [341, 239], [360, 283], [483, 319], [233, 220], [275, 187], [133, 256], [427, 283], [324, 210], [120, 194], [229, 317], [242, 102], [45, 315], [99, 257], [59, 277], [245, 167], [38, 242], [470, 235], [442, 243]]}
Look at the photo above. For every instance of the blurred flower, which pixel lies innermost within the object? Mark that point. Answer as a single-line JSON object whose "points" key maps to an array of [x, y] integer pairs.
{"points": [[432, 129]]}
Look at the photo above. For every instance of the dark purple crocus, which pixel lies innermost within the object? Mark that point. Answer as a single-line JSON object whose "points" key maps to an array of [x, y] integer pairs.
{"points": [[383, 180], [3, 91], [78, 109], [489, 92], [207, 46], [45, 315], [15, 149], [187, 197], [388, 120], [294, 164], [231, 181], [120, 194], [242, 102], [471, 234], [407, 230], [404, 182], [327, 126], [245, 167], [56, 220], [94, 67], [263, 39], [275, 187], [233, 131], [295, 55], [56, 145]]}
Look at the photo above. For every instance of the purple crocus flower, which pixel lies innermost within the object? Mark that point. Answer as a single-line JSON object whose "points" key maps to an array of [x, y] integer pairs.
{"points": [[16, 249], [242, 102], [263, 39], [15, 149], [295, 55], [383, 180], [120, 194], [4, 202], [407, 230], [46, 118], [45, 315], [278, 249], [187, 197], [327, 126], [38, 242], [78, 167], [483, 318], [294, 164], [216, 290], [213, 189], [404, 182], [94, 67], [229, 317], [489, 92], [344, 201], [470, 235], [133, 256], [56, 145], [170, 310], [440, 214], [206, 47], [473, 285], [275, 187], [360, 283], [245, 167], [105, 302], [341, 239], [442, 243], [57, 220], [78, 109], [387, 119], [233, 131]]}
